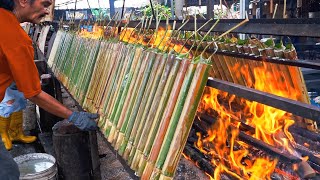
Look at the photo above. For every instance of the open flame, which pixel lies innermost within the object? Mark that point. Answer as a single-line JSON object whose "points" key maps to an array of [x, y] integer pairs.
{"points": [[229, 154], [97, 32], [160, 39]]}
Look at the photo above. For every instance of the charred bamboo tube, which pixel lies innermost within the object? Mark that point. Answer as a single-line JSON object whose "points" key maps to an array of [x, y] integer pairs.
{"points": [[153, 100], [130, 101], [157, 143], [119, 105], [132, 120], [145, 106], [185, 121], [174, 121], [297, 77], [158, 115]]}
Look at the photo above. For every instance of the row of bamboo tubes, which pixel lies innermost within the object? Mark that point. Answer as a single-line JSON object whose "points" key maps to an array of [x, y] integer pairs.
{"points": [[147, 100], [229, 69]]}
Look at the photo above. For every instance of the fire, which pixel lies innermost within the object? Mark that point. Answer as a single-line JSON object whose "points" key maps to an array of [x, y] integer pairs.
{"points": [[229, 154], [160, 39], [97, 32]]}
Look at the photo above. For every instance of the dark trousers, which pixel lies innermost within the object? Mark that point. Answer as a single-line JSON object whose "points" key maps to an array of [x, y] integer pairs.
{"points": [[8, 167]]}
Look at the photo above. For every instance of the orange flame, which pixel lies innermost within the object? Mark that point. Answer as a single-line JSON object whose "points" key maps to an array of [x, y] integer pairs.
{"points": [[97, 32], [270, 124], [161, 39]]}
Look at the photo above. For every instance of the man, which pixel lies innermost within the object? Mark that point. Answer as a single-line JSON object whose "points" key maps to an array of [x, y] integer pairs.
{"points": [[16, 65]]}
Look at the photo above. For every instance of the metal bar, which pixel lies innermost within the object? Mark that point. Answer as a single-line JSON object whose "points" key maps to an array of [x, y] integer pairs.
{"points": [[281, 27], [292, 106]]}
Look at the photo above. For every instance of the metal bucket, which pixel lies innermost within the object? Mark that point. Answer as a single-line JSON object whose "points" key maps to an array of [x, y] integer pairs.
{"points": [[38, 166]]}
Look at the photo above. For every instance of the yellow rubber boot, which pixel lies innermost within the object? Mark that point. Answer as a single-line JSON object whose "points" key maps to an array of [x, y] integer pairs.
{"points": [[4, 126], [16, 131]]}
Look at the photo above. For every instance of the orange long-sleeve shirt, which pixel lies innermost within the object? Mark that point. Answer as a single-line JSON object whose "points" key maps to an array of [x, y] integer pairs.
{"points": [[16, 57]]}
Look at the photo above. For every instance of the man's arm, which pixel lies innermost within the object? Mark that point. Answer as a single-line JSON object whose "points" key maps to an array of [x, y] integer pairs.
{"points": [[51, 105], [83, 120]]}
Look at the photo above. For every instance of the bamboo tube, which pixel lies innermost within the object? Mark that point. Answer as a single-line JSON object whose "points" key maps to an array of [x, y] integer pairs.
{"points": [[297, 78], [145, 106], [157, 143], [149, 116], [111, 74], [88, 69], [120, 51], [57, 57], [98, 74], [174, 119], [100, 68], [130, 100], [147, 80], [119, 104], [135, 110], [109, 101], [226, 65], [158, 115], [186, 120], [109, 83], [55, 47], [101, 102]]}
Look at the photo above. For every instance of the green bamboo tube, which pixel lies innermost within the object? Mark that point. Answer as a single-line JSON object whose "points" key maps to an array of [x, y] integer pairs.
{"points": [[150, 114], [91, 59], [160, 62], [112, 82], [110, 102], [98, 73], [119, 105], [174, 119], [156, 147], [120, 49], [127, 130], [110, 74], [103, 81], [107, 100], [110, 89], [158, 115], [60, 51], [103, 99], [75, 71], [148, 103], [55, 47], [186, 120], [64, 53], [56, 59], [130, 100]]}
